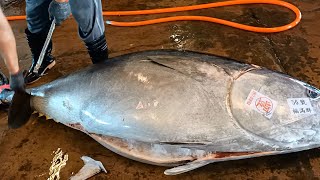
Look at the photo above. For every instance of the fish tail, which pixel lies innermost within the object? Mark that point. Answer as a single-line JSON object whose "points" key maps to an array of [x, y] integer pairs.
{"points": [[20, 110]]}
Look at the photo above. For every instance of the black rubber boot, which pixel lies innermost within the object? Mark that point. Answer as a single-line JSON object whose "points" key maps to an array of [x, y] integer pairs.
{"points": [[98, 50], [36, 42]]}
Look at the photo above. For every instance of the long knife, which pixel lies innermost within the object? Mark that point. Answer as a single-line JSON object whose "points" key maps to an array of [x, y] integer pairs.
{"points": [[44, 48]]}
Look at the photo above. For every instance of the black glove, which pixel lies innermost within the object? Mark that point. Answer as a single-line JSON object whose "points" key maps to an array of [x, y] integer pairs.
{"points": [[17, 82], [59, 11]]}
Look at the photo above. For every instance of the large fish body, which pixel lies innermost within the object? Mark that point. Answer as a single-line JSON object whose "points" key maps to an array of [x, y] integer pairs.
{"points": [[185, 109]]}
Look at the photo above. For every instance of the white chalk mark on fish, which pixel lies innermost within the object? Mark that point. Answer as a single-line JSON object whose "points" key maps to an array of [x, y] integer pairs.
{"points": [[140, 105], [155, 103], [142, 78], [91, 116]]}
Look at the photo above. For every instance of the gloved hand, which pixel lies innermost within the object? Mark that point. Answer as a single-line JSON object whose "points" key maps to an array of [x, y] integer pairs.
{"points": [[17, 82], [59, 11]]}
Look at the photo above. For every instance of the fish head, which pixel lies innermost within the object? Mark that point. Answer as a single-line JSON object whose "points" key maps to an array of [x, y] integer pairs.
{"points": [[299, 114], [280, 110]]}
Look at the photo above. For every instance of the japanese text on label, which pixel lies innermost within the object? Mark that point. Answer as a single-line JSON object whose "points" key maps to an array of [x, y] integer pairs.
{"points": [[300, 106]]}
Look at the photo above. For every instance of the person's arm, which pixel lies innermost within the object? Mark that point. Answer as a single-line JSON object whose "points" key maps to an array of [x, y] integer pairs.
{"points": [[8, 51], [8, 48]]}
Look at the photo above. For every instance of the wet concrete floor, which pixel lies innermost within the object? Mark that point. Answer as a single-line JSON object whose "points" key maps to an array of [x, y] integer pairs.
{"points": [[26, 153]]}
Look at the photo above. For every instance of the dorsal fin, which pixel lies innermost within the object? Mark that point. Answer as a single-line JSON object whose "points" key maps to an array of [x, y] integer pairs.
{"points": [[180, 64], [195, 68]]}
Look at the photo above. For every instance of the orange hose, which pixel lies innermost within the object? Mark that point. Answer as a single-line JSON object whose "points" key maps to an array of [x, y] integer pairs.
{"points": [[200, 18], [14, 18]]}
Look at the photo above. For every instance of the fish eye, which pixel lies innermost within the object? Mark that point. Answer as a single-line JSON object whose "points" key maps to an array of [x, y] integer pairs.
{"points": [[313, 93]]}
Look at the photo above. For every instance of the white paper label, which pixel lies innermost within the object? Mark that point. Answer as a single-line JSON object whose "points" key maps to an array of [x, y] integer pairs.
{"points": [[300, 106], [261, 103]]}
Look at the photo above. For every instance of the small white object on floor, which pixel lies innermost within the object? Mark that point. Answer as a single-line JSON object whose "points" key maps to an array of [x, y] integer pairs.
{"points": [[59, 161], [91, 167]]}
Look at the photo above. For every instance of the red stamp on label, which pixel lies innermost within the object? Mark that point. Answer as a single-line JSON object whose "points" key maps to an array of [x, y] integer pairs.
{"points": [[264, 105], [261, 103]]}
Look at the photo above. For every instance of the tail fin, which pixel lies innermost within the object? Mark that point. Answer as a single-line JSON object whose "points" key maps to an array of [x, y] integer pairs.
{"points": [[20, 110]]}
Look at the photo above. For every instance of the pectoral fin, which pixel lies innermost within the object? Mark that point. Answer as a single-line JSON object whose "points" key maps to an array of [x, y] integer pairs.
{"points": [[187, 167]]}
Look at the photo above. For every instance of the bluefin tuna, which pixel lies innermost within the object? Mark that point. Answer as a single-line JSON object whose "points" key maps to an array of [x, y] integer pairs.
{"points": [[182, 109]]}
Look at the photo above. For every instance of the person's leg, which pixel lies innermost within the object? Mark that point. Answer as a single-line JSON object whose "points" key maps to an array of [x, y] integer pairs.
{"points": [[37, 15], [38, 25], [88, 14]]}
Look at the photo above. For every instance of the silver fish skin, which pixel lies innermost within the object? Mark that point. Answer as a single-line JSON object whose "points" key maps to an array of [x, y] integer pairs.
{"points": [[174, 108]]}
